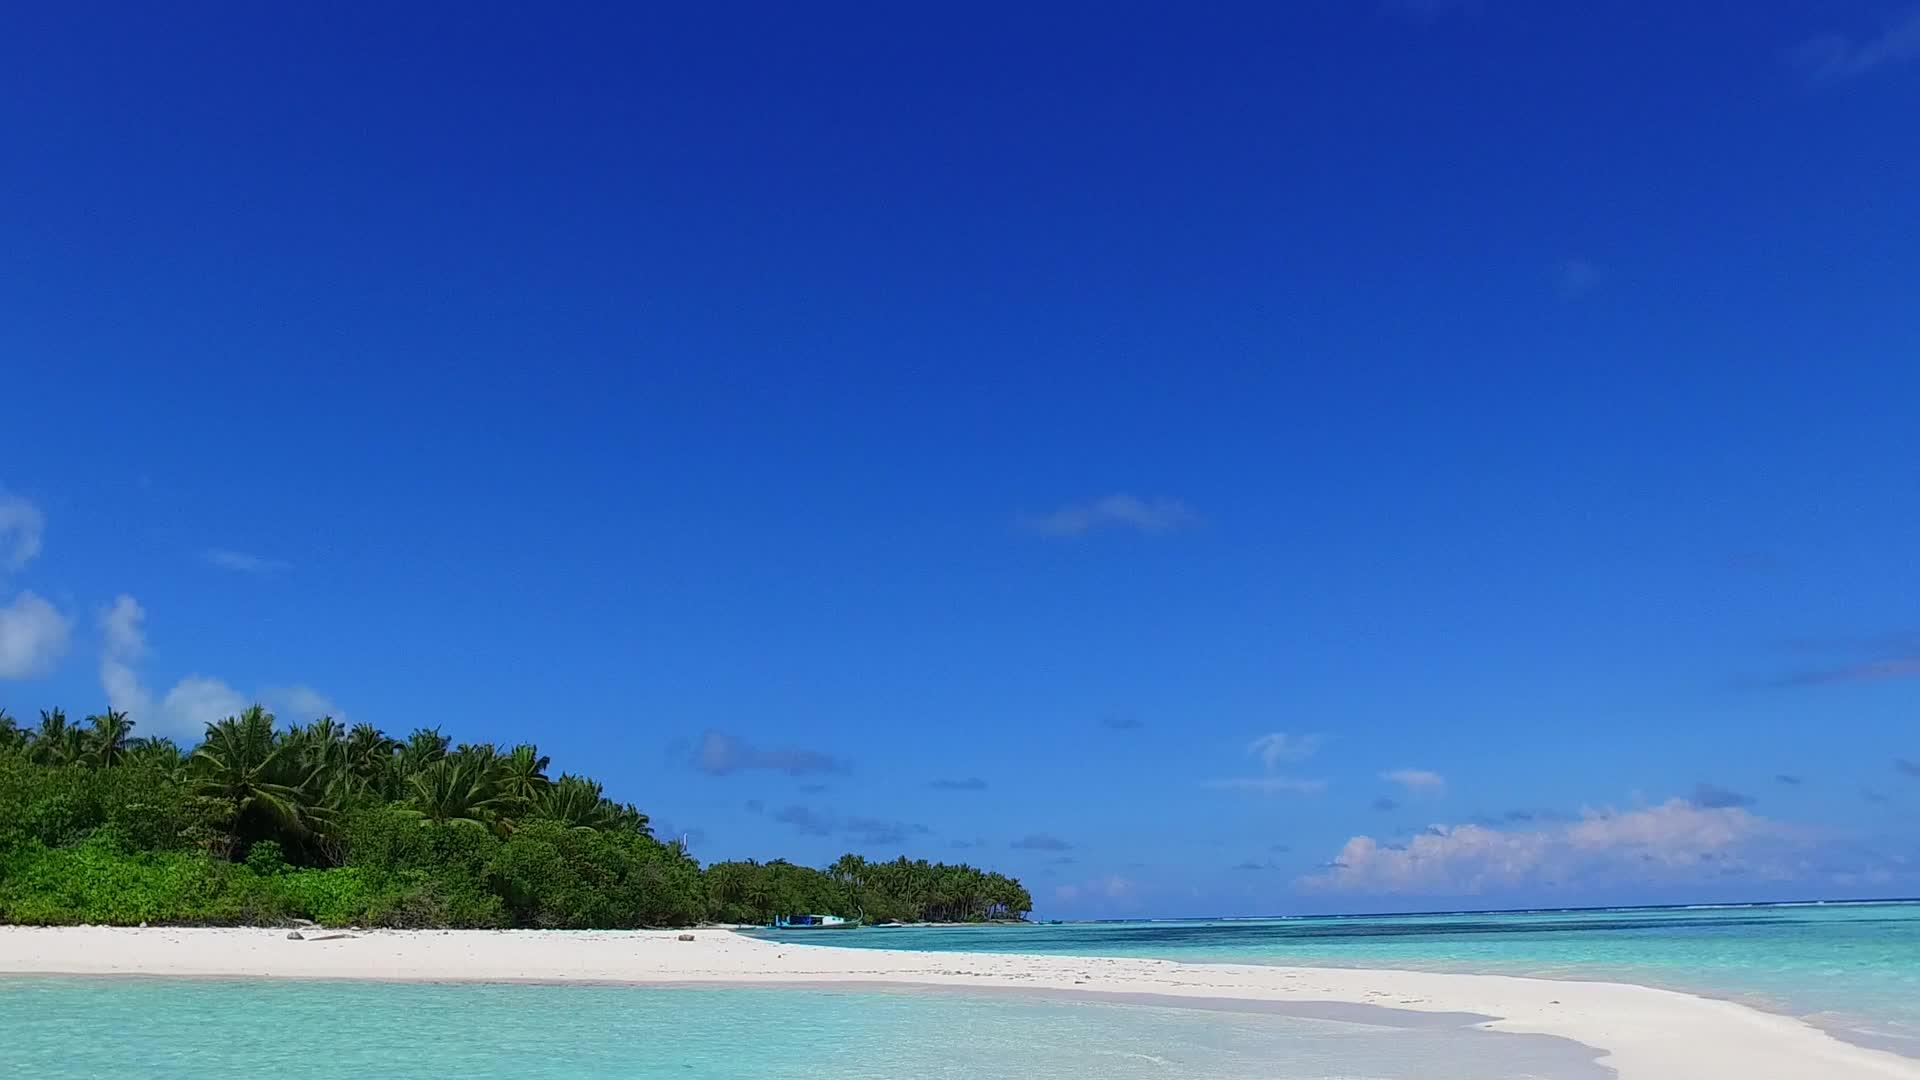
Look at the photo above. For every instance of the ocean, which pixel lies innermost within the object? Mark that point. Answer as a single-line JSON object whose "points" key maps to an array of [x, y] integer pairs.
{"points": [[160, 1029], [1851, 968]]}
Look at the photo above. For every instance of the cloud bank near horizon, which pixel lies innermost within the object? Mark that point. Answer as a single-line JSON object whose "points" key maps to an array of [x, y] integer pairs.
{"points": [[1675, 841]]}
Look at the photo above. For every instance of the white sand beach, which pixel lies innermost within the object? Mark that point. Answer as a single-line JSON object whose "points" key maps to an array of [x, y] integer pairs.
{"points": [[1645, 1034]]}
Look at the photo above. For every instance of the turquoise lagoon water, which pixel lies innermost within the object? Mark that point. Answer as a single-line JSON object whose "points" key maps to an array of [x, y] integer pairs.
{"points": [[73, 1028], [1853, 969]]}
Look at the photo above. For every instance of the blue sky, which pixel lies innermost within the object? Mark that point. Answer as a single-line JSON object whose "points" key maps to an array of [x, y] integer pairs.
{"points": [[1296, 458]]}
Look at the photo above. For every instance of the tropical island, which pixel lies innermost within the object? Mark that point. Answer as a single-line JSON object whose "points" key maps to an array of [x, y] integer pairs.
{"points": [[260, 824]]}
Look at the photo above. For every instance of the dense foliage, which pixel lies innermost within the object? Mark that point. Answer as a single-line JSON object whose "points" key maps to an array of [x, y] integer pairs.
{"points": [[352, 827]]}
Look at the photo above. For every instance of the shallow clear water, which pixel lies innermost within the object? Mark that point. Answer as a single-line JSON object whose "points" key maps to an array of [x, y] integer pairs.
{"points": [[1851, 968], [73, 1028]]}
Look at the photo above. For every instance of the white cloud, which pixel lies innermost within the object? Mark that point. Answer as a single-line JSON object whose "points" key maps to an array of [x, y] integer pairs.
{"points": [[33, 637], [1836, 56], [721, 754], [301, 703], [123, 642], [1274, 748], [122, 628], [21, 524], [241, 562], [196, 701], [193, 702], [1416, 781], [1119, 511], [1674, 841], [1269, 785]]}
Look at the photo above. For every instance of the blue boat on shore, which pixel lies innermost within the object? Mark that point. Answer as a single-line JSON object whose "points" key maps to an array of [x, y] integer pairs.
{"points": [[812, 922]]}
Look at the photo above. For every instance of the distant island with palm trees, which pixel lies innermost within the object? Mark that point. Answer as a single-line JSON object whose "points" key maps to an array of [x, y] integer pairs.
{"points": [[261, 824]]}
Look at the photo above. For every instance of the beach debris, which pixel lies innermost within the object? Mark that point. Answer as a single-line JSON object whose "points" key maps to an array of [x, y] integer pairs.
{"points": [[684, 937], [295, 935]]}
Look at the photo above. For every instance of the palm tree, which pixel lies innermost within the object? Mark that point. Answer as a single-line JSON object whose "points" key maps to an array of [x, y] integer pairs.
{"points": [[578, 802], [627, 818], [325, 738], [454, 791], [366, 742], [56, 742], [422, 748], [321, 748], [370, 759], [107, 737], [12, 736], [245, 764], [523, 774], [156, 752], [849, 868], [485, 756]]}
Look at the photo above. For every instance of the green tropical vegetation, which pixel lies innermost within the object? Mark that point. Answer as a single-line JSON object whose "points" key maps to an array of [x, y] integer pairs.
{"points": [[260, 824]]}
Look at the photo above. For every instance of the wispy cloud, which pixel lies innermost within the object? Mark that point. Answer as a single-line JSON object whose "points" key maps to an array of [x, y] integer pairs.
{"points": [[863, 831], [1788, 779], [1385, 804], [241, 562], [1857, 658], [1907, 768], [33, 637], [878, 831], [971, 783], [1121, 722], [21, 527], [806, 819], [1522, 816], [1881, 670], [1273, 750], [721, 754], [1278, 747], [1416, 781], [1120, 511], [1269, 785], [1714, 797], [1834, 57], [1041, 842], [1675, 841]]}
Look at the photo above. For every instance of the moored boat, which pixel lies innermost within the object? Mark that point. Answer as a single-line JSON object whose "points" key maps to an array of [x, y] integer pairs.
{"points": [[813, 922]]}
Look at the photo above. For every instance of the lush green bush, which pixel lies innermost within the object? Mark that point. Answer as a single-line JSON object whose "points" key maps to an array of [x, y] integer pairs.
{"points": [[551, 875], [59, 806], [98, 882], [258, 825]]}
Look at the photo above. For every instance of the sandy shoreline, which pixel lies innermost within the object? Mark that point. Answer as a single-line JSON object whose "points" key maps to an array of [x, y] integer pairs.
{"points": [[1644, 1034]]}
